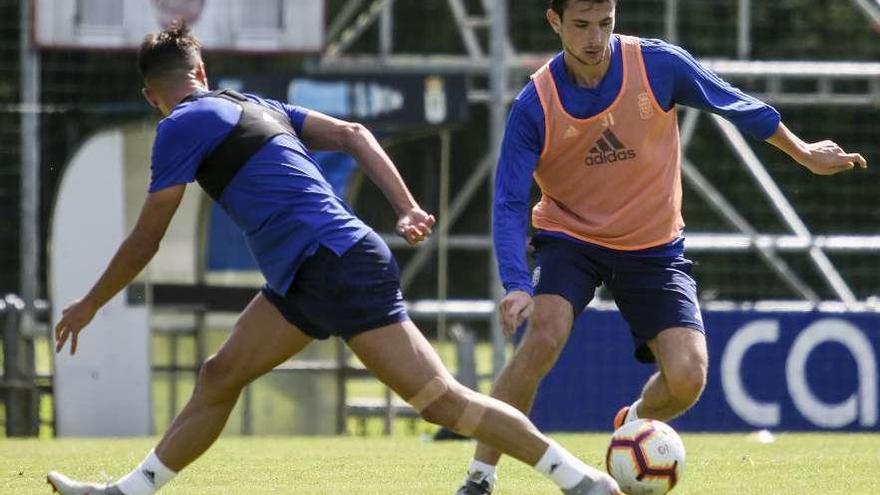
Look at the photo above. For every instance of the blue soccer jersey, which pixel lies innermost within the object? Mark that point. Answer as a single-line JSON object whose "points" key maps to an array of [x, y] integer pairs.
{"points": [[280, 199]]}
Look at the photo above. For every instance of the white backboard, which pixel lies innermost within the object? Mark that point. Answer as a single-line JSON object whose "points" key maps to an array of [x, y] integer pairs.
{"points": [[103, 390], [233, 25]]}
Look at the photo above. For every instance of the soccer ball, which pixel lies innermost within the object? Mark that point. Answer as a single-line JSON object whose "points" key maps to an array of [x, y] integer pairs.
{"points": [[646, 457]]}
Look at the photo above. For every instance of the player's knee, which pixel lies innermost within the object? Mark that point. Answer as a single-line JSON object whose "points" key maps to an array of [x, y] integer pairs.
{"points": [[218, 379], [541, 346], [443, 411], [447, 403], [543, 342], [434, 402], [686, 382]]}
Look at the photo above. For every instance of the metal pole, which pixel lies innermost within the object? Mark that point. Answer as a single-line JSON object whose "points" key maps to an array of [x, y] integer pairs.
{"points": [[390, 413], [386, 29], [345, 15], [341, 392], [871, 8], [744, 30], [498, 84], [671, 21], [720, 204], [784, 209], [23, 412], [29, 242], [465, 29], [348, 36], [22, 399], [443, 236], [174, 375], [247, 417], [456, 209]]}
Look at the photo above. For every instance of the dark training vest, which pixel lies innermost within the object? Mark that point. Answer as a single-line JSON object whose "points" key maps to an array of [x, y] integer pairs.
{"points": [[256, 125]]}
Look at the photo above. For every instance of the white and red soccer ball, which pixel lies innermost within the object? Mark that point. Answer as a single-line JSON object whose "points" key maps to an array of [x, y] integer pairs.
{"points": [[646, 457]]}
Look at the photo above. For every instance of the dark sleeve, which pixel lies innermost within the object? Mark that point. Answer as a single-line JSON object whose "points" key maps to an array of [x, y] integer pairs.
{"points": [[677, 78], [518, 159]]}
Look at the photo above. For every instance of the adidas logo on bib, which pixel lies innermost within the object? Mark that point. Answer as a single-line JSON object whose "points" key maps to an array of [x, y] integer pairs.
{"points": [[608, 149]]}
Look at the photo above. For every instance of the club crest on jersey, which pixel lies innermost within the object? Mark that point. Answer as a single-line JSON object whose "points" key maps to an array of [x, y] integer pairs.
{"points": [[608, 149], [646, 110]]}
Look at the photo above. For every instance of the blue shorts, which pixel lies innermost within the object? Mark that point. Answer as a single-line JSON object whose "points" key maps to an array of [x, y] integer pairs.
{"points": [[346, 295], [653, 293]]}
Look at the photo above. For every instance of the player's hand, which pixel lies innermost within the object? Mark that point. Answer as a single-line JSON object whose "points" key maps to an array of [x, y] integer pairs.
{"points": [[73, 319], [828, 158], [415, 225], [515, 308]]}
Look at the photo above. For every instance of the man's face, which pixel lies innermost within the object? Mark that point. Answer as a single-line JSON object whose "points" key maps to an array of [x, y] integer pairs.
{"points": [[585, 29]]}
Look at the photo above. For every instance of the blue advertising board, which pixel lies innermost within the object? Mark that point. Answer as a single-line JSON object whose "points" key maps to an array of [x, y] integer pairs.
{"points": [[387, 102], [773, 370]]}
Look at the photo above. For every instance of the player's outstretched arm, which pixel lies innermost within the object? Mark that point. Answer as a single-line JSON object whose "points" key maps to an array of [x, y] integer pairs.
{"points": [[324, 132], [821, 158], [132, 256]]}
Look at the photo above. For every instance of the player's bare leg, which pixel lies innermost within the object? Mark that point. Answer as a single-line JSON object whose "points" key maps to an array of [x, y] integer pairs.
{"points": [[548, 330], [682, 360], [402, 359], [261, 340]]}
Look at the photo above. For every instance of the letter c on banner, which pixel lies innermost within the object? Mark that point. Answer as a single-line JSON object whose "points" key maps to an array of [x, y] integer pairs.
{"points": [[861, 405], [750, 410]]}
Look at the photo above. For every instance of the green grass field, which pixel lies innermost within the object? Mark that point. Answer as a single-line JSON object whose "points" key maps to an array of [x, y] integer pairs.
{"points": [[717, 464], [796, 464]]}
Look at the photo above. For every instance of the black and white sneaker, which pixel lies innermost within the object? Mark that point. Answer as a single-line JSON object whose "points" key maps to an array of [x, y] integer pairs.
{"points": [[475, 488]]}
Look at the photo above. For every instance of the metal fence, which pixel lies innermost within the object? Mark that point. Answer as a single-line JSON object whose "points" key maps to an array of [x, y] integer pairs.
{"points": [[21, 386]]}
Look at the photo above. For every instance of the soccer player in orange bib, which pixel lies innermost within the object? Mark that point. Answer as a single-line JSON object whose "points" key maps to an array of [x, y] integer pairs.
{"points": [[597, 129]]}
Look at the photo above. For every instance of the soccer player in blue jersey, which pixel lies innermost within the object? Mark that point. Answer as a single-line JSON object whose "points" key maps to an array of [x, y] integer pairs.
{"points": [[596, 128], [328, 274]]}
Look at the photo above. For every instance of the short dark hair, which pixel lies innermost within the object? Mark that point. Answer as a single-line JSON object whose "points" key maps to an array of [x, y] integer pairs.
{"points": [[559, 6], [173, 50]]}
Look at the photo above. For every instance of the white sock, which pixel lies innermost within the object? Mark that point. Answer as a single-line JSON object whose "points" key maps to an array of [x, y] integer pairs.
{"points": [[564, 469], [632, 414], [479, 471], [147, 478]]}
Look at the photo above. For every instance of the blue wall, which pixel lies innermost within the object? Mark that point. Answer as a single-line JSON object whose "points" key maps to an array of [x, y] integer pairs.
{"points": [[781, 371]]}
